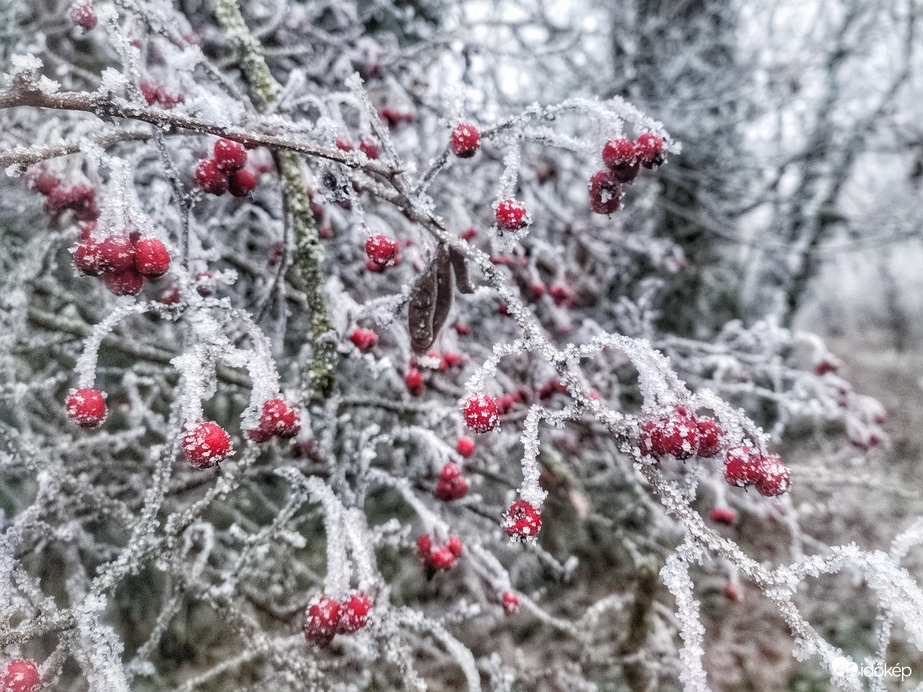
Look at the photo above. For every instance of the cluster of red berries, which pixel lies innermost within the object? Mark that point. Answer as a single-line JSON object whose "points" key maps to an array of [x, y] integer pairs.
{"points": [[452, 485], [83, 14], [327, 617], [86, 407], [680, 434], [123, 260], [381, 252], [364, 339], [522, 520], [466, 140], [79, 198], [20, 676], [158, 94], [623, 159], [512, 215], [278, 419], [747, 466], [367, 145], [225, 172], [436, 559], [481, 413]]}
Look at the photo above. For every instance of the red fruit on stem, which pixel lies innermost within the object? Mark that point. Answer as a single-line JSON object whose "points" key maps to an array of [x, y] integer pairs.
{"points": [[442, 558], [369, 147], [414, 382], [522, 520], [480, 413], [742, 466], [724, 515], [512, 215], [229, 155], [205, 284], [354, 613], [206, 445], [116, 253], [650, 150], [455, 545], [424, 546], [364, 339], [510, 602], [20, 676], [381, 250], [280, 419], [466, 140], [605, 193], [676, 435], [709, 436], [562, 294], [465, 446], [344, 145], [124, 283], [452, 485], [322, 621], [83, 15], [619, 154], [150, 93], [241, 182], [46, 182], [469, 234], [211, 178], [87, 257], [774, 478], [86, 407], [151, 257]]}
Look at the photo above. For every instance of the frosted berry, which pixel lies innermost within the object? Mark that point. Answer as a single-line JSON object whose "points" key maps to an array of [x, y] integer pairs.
{"points": [[709, 436], [151, 257], [206, 445], [465, 446], [451, 485], [344, 144], [369, 147], [20, 676], [619, 154], [512, 215], [455, 545], [86, 407], [322, 621], [742, 466], [241, 182], [229, 155], [627, 174], [211, 178], [87, 257], [481, 414], [465, 141], [605, 193], [773, 479], [414, 382], [381, 250], [441, 558], [116, 254], [676, 435], [364, 339], [354, 613], [278, 418], [83, 15], [510, 602], [124, 283], [46, 182], [724, 515], [424, 546], [522, 520], [650, 150]]}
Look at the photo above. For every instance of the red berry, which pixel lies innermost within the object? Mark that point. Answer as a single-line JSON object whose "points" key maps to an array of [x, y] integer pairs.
{"points": [[151, 257], [82, 15], [625, 175], [211, 178], [522, 520], [450, 359], [86, 407], [481, 413], [650, 150], [206, 445], [229, 156], [465, 446], [510, 602], [455, 545], [724, 515], [461, 329], [322, 621], [709, 436], [46, 182], [116, 253], [742, 466], [469, 234], [619, 153], [774, 478], [150, 93], [241, 182], [344, 145], [369, 147], [364, 339], [381, 250], [676, 435], [170, 296], [278, 418], [354, 613], [452, 485], [124, 283], [414, 382], [465, 141], [605, 193], [20, 676], [87, 257], [512, 215], [442, 558], [82, 199], [205, 284], [424, 546], [562, 294]]}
